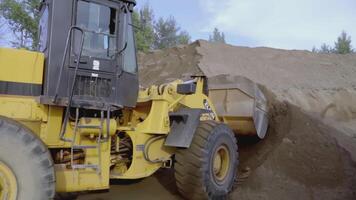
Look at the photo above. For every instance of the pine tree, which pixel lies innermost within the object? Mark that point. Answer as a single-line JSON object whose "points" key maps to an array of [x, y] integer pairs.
{"points": [[2, 32], [144, 34], [343, 44], [184, 38], [168, 34], [325, 49], [217, 36], [314, 49], [22, 18]]}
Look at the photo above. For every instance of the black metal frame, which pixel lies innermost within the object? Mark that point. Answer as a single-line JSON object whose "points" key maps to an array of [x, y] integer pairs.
{"points": [[70, 98], [58, 90]]}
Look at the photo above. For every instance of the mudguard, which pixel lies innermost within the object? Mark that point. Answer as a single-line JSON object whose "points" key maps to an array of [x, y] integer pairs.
{"points": [[183, 126]]}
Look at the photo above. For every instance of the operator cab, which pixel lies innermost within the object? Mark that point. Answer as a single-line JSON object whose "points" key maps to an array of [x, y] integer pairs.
{"points": [[90, 42]]}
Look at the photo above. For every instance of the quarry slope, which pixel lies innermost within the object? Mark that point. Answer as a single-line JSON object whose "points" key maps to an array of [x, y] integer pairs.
{"points": [[310, 152], [324, 84], [310, 149]]}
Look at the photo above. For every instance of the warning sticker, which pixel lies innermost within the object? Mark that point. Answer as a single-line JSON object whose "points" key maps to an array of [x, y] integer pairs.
{"points": [[96, 65]]}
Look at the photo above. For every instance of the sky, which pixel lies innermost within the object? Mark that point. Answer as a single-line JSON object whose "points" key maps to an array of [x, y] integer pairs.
{"points": [[285, 24]]}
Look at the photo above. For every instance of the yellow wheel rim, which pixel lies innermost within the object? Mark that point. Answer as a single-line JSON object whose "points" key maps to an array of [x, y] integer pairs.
{"points": [[221, 163], [8, 183]]}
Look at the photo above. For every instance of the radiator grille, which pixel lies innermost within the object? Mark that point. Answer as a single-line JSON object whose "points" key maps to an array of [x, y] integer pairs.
{"points": [[93, 87]]}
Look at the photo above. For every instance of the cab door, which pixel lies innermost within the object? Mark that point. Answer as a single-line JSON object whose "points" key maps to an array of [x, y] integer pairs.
{"points": [[128, 82], [99, 21]]}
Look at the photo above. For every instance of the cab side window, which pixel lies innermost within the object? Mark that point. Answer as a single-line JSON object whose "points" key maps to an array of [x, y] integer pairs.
{"points": [[43, 29], [99, 23], [130, 60]]}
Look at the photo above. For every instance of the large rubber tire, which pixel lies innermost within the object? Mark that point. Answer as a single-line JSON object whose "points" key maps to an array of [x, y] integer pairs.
{"points": [[66, 196], [194, 173], [28, 159]]}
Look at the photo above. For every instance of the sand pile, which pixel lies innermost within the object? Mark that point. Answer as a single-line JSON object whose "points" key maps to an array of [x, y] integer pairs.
{"points": [[310, 151], [310, 148], [302, 158], [318, 83], [159, 67]]}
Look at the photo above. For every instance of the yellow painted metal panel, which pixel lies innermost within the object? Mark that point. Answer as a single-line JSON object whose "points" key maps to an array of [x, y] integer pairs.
{"points": [[51, 127], [140, 167], [21, 66], [68, 180], [25, 110], [21, 108], [144, 124]]}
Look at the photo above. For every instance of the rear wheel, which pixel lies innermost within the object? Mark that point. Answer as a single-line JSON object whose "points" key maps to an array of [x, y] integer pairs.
{"points": [[8, 182], [66, 196], [207, 170], [26, 167]]}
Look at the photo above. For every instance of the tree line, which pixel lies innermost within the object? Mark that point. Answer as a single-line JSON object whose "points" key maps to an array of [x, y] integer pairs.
{"points": [[157, 34], [341, 46], [162, 33], [22, 18]]}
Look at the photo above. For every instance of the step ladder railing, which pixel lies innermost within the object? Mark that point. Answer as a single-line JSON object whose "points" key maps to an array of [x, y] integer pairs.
{"points": [[71, 92], [99, 140], [75, 145]]}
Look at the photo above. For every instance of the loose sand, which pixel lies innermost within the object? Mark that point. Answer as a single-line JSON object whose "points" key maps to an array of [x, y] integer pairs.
{"points": [[319, 83], [302, 158], [310, 150]]}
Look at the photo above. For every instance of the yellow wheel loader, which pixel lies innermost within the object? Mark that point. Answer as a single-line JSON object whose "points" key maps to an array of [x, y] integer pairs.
{"points": [[72, 115]]}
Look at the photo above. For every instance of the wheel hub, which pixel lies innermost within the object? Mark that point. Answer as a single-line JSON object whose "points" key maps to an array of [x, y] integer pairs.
{"points": [[8, 183], [221, 163]]}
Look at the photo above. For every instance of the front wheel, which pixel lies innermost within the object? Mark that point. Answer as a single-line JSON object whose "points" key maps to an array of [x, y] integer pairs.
{"points": [[26, 166], [207, 170]]}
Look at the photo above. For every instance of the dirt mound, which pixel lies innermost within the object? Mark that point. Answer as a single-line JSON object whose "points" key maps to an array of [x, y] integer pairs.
{"points": [[310, 150], [301, 158], [158, 67], [279, 69], [317, 83], [304, 156]]}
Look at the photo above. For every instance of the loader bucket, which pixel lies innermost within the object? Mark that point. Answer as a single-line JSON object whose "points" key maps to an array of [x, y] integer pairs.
{"points": [[240, 103]]}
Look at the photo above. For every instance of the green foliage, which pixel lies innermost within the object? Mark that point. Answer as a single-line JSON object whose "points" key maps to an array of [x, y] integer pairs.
{"points": [[314, 49], [144, 33], [184, 38], [323, 49], [168, 34], [160, 34], [217, 36], [22, 17], [343, 44], [326, 49], [2, 32]]}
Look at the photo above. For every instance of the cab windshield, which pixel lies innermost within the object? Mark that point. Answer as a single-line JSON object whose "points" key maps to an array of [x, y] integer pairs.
{"points": [[99, 23]]}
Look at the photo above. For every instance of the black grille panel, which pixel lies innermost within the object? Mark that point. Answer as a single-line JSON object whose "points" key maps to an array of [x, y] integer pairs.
{"points": [[93, 87]]}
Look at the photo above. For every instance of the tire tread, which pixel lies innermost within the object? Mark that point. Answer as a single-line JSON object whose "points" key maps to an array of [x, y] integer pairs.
{"points": [[191, 162], [40, 153]]}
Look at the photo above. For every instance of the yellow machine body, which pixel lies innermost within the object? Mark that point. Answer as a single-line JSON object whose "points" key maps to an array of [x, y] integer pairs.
{"points": [[148, 120], [21, 66]]}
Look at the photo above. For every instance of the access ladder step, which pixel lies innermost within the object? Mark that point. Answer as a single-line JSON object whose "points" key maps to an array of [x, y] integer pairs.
{"points": [[85, 167], [85, 147], [90, 126]]}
